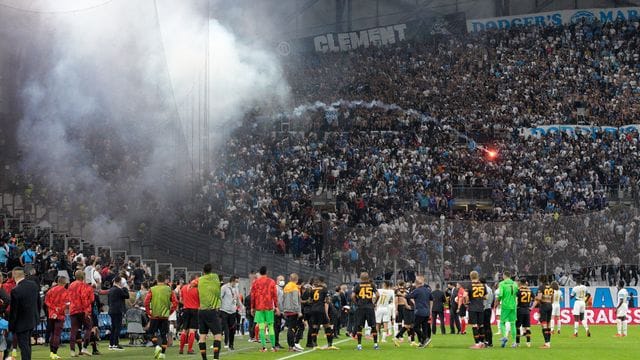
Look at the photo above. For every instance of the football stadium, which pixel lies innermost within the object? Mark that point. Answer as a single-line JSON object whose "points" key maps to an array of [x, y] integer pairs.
{"points": [[314, 179]]}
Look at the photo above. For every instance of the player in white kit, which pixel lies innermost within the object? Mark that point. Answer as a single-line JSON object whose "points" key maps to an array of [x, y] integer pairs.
{"points": [[555, 307], [621, 309], [386, 302], [580, 294]]}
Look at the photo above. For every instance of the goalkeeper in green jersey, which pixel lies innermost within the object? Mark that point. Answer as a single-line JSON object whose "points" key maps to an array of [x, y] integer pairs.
{"points": [[507, 291]]}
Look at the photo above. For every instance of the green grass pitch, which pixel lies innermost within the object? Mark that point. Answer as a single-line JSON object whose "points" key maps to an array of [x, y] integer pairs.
{"points": [[601, 345]]}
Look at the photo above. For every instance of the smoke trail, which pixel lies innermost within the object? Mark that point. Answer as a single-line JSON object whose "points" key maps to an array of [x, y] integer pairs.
{"points": [[101, 131]]}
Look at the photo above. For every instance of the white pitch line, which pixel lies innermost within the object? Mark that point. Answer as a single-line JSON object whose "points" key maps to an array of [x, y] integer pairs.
{"points": [[312, 350]]}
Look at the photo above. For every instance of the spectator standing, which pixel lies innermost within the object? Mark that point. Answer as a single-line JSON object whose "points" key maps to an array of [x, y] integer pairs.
{"points": [[117, 308], [25, 311]]}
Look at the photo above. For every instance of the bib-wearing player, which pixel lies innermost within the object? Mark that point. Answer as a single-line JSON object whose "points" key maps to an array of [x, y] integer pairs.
{"points": [[364, 295], [386, 302], [523, 321], [506, 293], [555, 307], [621, 309], [476, 293], [580, 294], [320, 314], [208, 316], [544, 297], [159, 303]]}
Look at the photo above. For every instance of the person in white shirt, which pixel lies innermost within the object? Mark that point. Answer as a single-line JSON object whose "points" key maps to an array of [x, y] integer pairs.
{"points": [[580, 294], [555, 307], [621, 309], [386, 299]]}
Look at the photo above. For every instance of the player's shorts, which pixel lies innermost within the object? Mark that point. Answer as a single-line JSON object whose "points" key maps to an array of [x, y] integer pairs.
{"points": [[409, 316], [476, 317], [524, 319], [264, 316], [621, 313], [383, 315], [545, 313], [508, 315], [209, 320], [400, 317], [366, 314], [189, 319], [318, 318], [578, 307], [555, 309]]}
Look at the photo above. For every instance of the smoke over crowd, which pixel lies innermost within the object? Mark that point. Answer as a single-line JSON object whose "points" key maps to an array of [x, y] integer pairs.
{"points": [[109, 94]]}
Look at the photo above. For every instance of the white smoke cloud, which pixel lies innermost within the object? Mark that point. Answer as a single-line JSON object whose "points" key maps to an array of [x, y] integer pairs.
{"points": [[105, 112]]}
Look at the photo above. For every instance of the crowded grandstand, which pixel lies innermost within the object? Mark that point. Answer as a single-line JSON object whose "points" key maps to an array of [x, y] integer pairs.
{"points": [[454, 167]]}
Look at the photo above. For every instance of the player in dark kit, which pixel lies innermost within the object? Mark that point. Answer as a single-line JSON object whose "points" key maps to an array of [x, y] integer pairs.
{"points": [[364, 295], [405, 315], [475, 297], [523, 319], [319, 315], [544, 298]]}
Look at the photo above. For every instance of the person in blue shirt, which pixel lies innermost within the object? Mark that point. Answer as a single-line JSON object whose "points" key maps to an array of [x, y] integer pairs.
{"points": [[423, 301], [28, 256], [4, 255]]}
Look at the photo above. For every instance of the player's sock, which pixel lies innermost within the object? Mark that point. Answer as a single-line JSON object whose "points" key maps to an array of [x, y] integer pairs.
{"points": [[375, 336], [329, 333], [203, 350], [412, 334], [272, 336], [314, 335], [553, 323], [216, 349], [547, 335], [624, 327], [480, 334], [559, 324], [575, 327], [192, 339], [503, 329], [164, 348], [518, 334], [528, 334], [513, 330], [400, 333], [359, 333], [263, 335], [463, 323], [183, 340], [475, 334], [619, 326], [585, 324]]}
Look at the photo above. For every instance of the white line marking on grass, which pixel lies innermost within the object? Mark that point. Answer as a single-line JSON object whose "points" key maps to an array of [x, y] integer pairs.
{"points": [[312, 350]]}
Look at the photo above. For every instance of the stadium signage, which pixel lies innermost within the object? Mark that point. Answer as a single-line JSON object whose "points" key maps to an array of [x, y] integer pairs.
{"points": [[360, 39], [554, 18], [424, 28], [578, 129]]}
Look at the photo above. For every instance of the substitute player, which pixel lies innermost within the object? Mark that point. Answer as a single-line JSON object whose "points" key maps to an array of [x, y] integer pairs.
{"points": [[555, 307], [544, 297], [579, 305], [621, 309], [386, 302], [208, 316], [364, 295], [190, 304], [159, 303], [474, 299], [523, 321], [506, 294]]}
